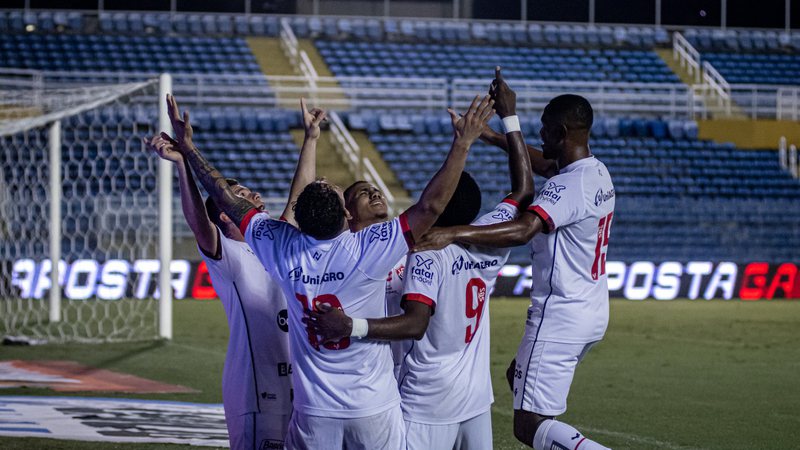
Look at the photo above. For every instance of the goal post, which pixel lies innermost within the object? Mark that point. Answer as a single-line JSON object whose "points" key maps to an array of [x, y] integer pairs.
{"points": [[85, 213]]}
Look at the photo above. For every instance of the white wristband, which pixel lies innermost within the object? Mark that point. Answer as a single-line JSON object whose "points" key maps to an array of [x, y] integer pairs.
{"points": [[360, 328], [511, 124]]}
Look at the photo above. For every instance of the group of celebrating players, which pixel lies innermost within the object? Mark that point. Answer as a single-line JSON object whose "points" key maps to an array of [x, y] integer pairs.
{"points": [[328, 352]]}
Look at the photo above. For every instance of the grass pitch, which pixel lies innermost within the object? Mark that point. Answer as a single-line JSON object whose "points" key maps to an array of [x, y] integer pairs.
{"points": [[669, 375]]}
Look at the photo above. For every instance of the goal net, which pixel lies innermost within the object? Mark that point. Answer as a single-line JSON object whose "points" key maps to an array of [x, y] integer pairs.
{"points": [[76, 183]]}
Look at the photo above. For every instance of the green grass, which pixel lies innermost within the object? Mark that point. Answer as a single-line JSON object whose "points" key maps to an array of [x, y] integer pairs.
{"points": [[669, 375]]}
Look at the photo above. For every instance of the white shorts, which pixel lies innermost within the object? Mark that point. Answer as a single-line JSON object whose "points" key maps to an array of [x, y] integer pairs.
{"points": [[257, 430], [385, 430], [472, 434], [544, 372]]}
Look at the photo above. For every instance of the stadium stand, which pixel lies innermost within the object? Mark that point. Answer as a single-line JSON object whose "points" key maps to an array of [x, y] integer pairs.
{"points": [[750, 57], [349, 58], [120, 53], [680, 198]]}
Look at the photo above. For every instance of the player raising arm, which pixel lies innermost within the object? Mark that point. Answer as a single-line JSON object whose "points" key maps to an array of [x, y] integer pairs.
{"points": [[256, 388], [568, 228], [345, 392], [456, 282]]}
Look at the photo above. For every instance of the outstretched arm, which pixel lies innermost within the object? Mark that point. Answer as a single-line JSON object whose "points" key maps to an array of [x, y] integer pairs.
{"points": [[519, 165], [194, 210], [333, 324], [306, 171], [441, 187], [212, 180], [505, 234]]}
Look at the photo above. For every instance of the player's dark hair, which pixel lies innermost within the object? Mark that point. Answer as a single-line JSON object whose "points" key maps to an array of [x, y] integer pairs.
{"points": [[318, 211], [570, 110], [213, 210], [464, 205]]}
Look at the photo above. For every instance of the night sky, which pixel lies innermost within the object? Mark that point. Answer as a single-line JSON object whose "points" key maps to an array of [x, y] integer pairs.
{"points": [[741, 13]]}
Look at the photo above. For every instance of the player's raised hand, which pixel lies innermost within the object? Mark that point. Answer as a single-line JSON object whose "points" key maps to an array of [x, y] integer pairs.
{"points": [[331, 324], [164, 146], [505, 99], [435, 239], [468, 127], [312, 119], [181, 125]]}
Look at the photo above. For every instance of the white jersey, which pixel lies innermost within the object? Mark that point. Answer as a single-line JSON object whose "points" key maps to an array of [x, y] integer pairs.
{"points": [[352, 378], [570, 286], [256, 376], [394, 296], [445, 377]]}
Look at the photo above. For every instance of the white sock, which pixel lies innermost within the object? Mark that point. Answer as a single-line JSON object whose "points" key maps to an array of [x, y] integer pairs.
{"points": [[554, 435]]}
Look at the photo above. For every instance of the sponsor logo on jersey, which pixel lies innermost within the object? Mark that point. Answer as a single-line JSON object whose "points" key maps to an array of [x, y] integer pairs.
{"points": [[269, 396], [461, 264], [268, 444], [284, 369], [283, 321], [297, 274], [264, 229], [602, 196], [502, 215], [380, 232], [317, 256], [421, 271], [552, 192]]}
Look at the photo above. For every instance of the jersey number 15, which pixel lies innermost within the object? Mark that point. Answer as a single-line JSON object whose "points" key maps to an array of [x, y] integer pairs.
{"points": [[601, 249]]}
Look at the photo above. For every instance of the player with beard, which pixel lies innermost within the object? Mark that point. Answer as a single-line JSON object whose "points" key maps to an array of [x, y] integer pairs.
{"points": [[568, 228], [345, 394], [256, 387], [445, 381]]}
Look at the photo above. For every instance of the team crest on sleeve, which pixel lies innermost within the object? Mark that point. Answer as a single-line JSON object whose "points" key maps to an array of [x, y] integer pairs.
{"points": [[380, 232], [552, 192], [264, 228], [422, 270]]}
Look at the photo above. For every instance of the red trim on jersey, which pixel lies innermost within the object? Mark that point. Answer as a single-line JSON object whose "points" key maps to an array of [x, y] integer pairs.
{"points": [[246, 220], [282, 218], [424, 299], [511, 202], [409, 237], [548, 221], [579, 443]]}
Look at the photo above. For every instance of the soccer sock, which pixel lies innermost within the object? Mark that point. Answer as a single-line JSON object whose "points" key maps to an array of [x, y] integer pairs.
{"points": [[554, 435]]}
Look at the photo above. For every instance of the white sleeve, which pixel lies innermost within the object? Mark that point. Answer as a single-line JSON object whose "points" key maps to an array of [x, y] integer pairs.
{"points": [[423, 276], [383, 244], [225, 266], [560, 203], [269, 239], [506, 211]]}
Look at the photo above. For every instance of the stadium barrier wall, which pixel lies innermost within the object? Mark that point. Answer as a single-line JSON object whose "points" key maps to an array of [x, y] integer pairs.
{"points": [[115, 279]]}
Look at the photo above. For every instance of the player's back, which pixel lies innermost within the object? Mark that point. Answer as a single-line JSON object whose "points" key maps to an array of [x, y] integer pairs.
{"points": [[570, 286], [445, 376], [351, 378]]}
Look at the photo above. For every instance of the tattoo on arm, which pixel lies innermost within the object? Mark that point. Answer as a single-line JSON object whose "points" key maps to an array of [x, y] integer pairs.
{"points": [[216, 185]]}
